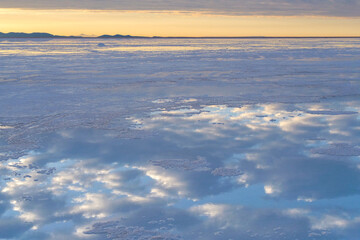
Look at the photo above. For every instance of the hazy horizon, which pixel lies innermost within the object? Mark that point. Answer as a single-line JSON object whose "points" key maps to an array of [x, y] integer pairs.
{"points": [[154, 36], [230, 19]]}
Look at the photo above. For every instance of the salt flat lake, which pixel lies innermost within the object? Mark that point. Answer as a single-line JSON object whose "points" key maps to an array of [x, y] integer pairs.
{"points": [[180, 139]]}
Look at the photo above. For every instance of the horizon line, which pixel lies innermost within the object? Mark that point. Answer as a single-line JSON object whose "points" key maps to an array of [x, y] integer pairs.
{"points": [[49, 35]]}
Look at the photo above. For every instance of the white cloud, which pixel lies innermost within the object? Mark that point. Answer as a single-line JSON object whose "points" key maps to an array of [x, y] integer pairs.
{"points": [[271, 189], [329, 222], [211, 210]]}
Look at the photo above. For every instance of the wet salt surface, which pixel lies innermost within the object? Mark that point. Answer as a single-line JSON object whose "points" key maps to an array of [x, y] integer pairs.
{"points": [[180, 139]]}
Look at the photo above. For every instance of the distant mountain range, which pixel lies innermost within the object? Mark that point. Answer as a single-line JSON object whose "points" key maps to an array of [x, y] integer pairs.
{"points": [[26, 35], [48, 35]]}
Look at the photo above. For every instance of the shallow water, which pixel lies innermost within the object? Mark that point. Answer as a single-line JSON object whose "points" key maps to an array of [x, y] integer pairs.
{"points": [[180, 139]]}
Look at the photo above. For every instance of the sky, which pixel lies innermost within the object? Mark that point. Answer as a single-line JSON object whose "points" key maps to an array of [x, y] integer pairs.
{"points": [[183, 18]]}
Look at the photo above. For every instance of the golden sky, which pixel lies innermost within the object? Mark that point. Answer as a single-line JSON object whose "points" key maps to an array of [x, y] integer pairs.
{"points": [[171, 23]]}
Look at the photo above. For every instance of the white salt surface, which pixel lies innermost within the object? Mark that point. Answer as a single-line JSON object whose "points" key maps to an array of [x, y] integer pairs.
{"points": [[180, 139]]}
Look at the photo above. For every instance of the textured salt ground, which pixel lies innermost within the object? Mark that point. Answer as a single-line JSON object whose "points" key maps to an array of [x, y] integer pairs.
{"points": [[211, 118], [339, 149]]}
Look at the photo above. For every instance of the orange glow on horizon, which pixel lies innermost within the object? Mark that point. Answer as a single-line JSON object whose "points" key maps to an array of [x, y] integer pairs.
{"points": [[171, 23]]}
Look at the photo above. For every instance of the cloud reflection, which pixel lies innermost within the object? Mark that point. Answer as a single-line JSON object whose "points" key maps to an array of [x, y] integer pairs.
{"points": [[96, 184]]}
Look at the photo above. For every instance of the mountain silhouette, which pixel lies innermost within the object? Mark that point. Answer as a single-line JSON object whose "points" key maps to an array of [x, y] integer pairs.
{"points": [[48, 35], [26, 35]]}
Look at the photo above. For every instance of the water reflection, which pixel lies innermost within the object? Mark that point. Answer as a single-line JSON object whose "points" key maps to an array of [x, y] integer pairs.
{"points": [[263, 171], [195, 139]]}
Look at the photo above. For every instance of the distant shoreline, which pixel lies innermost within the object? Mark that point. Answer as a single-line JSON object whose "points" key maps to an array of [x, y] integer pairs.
{"points": [[173, 37], [13, 35]]}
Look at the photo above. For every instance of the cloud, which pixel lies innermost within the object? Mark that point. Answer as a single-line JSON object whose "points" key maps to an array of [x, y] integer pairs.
{"points": [[239, 222], [346, 8], [100, 177], [272, 147]]}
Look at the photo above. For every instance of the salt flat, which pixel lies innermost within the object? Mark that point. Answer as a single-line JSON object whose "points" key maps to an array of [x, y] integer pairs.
{"points": [[180, 138]]}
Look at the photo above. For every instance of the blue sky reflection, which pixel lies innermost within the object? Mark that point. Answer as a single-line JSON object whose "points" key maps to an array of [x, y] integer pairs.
{"points": [[213, 143], [221, 165]]}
